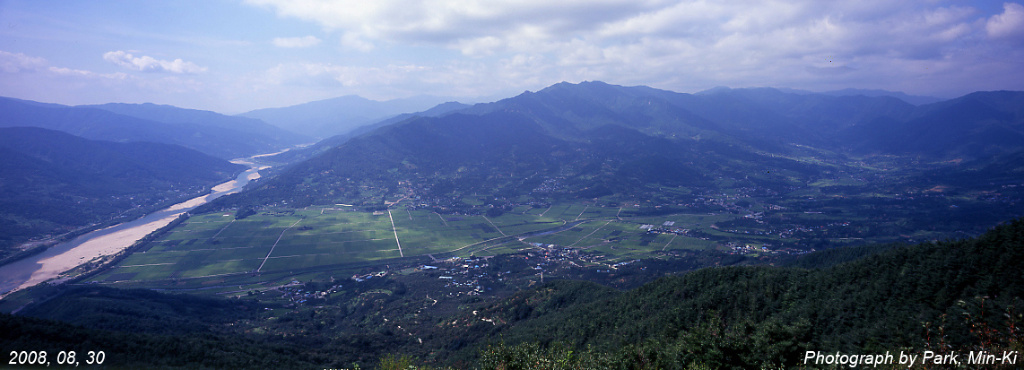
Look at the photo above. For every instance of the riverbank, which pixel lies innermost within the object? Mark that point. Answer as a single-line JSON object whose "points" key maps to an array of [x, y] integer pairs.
{"points": [[33, 247], [97, 245]]}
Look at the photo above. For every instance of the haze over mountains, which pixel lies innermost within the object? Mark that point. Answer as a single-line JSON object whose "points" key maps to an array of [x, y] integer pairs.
{"points": [[211, 133], [593, 138], [333, 141], [599, 139], [329, 117], [912, 99]]}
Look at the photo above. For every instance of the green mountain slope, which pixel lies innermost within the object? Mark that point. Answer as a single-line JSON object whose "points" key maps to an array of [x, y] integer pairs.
{"points": [[914, 297], [807, 119], [508, 155], [593, 138], [300, 154], [51, 181], [973, 126]]}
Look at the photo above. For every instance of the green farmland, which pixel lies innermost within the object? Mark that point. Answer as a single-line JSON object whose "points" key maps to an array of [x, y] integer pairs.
{"points": [[286, 241], [218, 252], [216, 248]]}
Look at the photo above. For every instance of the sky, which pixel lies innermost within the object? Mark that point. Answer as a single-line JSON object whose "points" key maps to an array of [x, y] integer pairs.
{"points": [[233, 56]]}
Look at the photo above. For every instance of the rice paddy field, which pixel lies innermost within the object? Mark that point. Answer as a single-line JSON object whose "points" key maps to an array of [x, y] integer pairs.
{"points": [[216, 248]]}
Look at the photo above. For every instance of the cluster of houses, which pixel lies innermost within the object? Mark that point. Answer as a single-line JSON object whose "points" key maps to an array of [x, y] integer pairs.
{"points": [[668, 228], [743, 248], [461, 275], [296, 293], [360, 278]]}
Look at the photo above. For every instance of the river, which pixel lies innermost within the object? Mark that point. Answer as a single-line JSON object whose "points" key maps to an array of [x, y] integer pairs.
{"points": [[70, 254]]}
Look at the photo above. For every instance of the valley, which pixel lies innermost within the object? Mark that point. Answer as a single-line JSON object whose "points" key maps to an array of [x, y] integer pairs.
{"points": [[65, 260], [512, 185], [278, 244], [434, 236]]}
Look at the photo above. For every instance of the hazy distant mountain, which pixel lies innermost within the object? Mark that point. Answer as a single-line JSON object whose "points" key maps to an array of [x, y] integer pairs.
{"points": [[912, 99], [52, 181], [267, 133], [210, 137], [333, 141], [326, 118], [804, 118], [873, 93], [976, 125]]}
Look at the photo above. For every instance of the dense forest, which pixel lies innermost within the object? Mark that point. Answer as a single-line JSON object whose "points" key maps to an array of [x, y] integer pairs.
{"points": [[950, 296]]}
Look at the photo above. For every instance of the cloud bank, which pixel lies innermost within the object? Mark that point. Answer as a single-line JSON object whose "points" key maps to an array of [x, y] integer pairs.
{"points": [[684, 45], [150, 64], [1008, 24], [260, 53], [18, 62]]}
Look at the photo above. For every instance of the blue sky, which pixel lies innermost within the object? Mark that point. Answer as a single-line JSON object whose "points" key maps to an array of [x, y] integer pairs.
{"points": [[232, 56]]}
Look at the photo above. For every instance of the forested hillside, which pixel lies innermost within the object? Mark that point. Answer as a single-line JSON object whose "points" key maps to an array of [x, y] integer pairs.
{"points": [[950, 296], [52, 182], [639, 144]]}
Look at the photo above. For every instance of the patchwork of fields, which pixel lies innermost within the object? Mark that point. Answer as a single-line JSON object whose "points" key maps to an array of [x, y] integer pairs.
{"points": [[289, 242]]}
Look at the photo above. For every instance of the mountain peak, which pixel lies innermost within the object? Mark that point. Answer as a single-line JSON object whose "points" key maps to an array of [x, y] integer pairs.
{"points": [[334, 116]]}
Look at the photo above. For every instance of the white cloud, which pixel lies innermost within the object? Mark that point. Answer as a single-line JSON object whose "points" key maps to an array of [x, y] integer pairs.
{"points": [[150, 64], [396, 48], [1008, 24], [354, 41], [454, 78], [296, 42], [34, 78], [62, 71], [759, 31], [18, 62], [449, 22], [481, 46], [682, 45]]}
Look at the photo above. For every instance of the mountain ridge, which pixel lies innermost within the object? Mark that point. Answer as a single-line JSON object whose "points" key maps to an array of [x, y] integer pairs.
{"points": [[335, 116], [101, 124], [721, 135], [176, 115]]}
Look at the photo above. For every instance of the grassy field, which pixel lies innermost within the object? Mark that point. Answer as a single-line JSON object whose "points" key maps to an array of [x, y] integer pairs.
{"points": [[625, 239], [292, 241], [219, 253]]}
